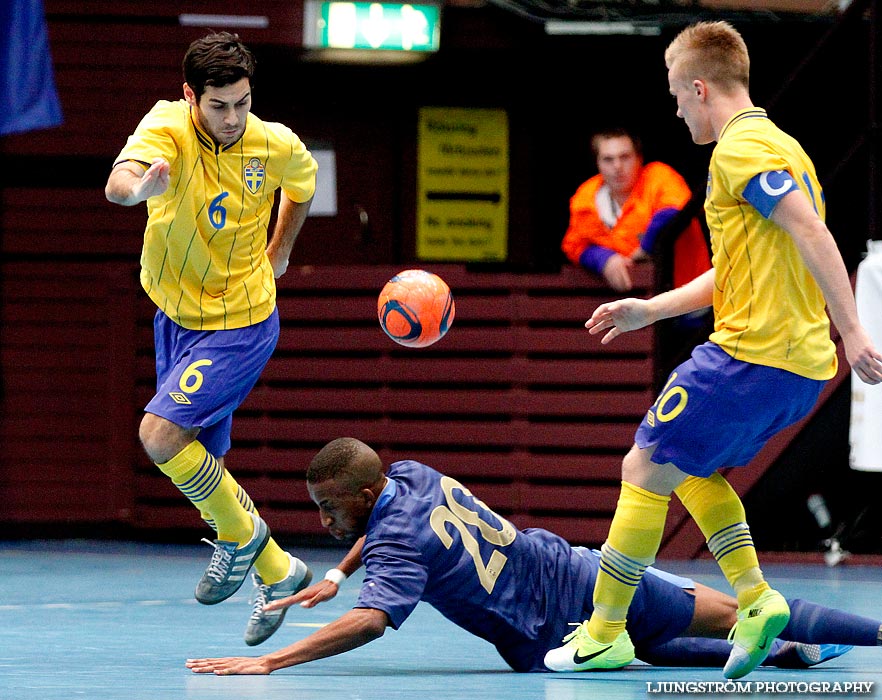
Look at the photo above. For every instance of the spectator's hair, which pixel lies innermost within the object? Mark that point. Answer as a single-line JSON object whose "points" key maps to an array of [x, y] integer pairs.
{"points": [[217, 60], [711, 51], [348, 461], [616, 132]]}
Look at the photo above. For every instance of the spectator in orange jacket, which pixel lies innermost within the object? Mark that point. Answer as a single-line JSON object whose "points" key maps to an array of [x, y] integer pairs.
{"points": [[616, 216]]}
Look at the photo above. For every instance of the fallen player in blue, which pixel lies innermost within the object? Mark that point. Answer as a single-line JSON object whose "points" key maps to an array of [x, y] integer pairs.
{"points": [[422, 536]]}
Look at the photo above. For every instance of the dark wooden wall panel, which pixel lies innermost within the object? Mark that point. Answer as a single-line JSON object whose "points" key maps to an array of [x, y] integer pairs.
{"points": [[69, 224], [67, 389], [517, 397], [113, 60], [537, 427], [518, 400]]}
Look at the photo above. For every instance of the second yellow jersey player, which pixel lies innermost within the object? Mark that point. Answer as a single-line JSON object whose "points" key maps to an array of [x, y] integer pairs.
{"points": [[753, 253]]}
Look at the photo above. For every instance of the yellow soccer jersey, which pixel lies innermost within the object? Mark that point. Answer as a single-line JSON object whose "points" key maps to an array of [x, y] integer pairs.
{"points": [[768, 309], [204, 261]]}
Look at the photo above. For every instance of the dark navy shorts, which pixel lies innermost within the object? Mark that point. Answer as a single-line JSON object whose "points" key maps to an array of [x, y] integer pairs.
{"points": [[719, 412], [203, 376]]}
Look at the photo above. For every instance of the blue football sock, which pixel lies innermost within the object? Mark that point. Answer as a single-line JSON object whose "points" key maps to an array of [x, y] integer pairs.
{"points": [[811, 623], [692, 651]]}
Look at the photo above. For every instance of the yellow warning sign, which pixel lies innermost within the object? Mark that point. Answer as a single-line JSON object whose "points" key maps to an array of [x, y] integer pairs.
{"points": [[462, 184]]}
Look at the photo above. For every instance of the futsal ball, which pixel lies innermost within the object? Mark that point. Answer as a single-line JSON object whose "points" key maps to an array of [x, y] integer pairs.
{"points": [[415, 308]]}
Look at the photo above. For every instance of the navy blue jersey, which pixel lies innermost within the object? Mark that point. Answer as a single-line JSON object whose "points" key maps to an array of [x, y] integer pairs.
{"points": [[429, 539]]}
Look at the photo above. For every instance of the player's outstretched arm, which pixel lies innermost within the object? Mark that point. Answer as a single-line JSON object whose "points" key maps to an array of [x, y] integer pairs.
{"points": [[129, 184], [619, 317], [354, 629], [309, 597], [325, 589], [630, 314]]}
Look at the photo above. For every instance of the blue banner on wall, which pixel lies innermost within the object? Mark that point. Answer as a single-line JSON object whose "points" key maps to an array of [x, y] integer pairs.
{"points": [[28, 99]]}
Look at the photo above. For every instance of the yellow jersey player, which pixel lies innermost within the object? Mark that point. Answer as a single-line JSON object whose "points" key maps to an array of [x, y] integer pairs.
{"points": [[209, 171], [775, 268]]}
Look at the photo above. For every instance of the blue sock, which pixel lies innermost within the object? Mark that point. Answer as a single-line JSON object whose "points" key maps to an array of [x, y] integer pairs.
{"points": [[693, 651], [811, 623]]}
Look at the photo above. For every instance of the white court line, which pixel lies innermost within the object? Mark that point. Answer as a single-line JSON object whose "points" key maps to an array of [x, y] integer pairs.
{"points": [[120, 604], [94, 604]]}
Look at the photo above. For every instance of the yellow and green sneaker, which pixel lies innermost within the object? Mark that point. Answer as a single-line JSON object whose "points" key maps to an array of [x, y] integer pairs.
{"points": [[752, 636], [581, 653]]}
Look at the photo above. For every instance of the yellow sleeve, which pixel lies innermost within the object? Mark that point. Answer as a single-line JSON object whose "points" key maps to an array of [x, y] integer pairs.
{"points": [[298, 180], [739, 160], [154, 136]]}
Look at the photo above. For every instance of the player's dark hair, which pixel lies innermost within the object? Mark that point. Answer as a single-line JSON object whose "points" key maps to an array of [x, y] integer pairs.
{"points": [[348, 460], [616, 132], [217, 60]]}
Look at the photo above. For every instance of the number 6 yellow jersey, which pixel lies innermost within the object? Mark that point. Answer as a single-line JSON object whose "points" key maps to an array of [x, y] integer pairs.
{"points": [[204, 260]]}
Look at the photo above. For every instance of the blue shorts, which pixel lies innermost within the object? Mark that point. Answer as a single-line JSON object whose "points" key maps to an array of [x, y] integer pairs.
{"points": [[203, 376], [719, 412]]}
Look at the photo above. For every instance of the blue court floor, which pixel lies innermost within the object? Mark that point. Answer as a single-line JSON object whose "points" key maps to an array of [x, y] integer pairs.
{"points": [[97, 620]]}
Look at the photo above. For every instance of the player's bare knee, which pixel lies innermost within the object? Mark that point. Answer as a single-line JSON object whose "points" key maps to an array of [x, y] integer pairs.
{"points": [[163, 439], [637, 468]]}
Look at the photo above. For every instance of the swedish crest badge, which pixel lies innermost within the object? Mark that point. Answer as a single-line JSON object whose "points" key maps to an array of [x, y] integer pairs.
{"points": [[254, 175]]}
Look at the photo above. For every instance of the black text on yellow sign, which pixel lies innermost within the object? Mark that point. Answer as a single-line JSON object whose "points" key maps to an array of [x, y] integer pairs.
{"points": [[462, 184]]}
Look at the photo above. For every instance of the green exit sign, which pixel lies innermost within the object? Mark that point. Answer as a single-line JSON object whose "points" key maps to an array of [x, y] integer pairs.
{"points": [[371, 26]]}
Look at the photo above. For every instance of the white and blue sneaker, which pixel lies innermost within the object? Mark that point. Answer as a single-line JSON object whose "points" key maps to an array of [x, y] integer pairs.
{"points": [[264, 623], [230, 564], [799, 655]]}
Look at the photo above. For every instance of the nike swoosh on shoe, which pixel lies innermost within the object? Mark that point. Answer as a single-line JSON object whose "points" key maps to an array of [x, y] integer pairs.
{"points": [[579, 659]]}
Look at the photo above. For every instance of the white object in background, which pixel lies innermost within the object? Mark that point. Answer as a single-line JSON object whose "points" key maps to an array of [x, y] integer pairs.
{"points": [[834, 553], [818, 507], [865, 431], [324, 201]]}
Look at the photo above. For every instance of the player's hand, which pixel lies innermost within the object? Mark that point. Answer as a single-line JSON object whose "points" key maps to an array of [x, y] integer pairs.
{"points": [[619, 317], [308, 598], [639, 255], [865, 360], [154, 181], [617, 272], [280, 267], [231, 666]]}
